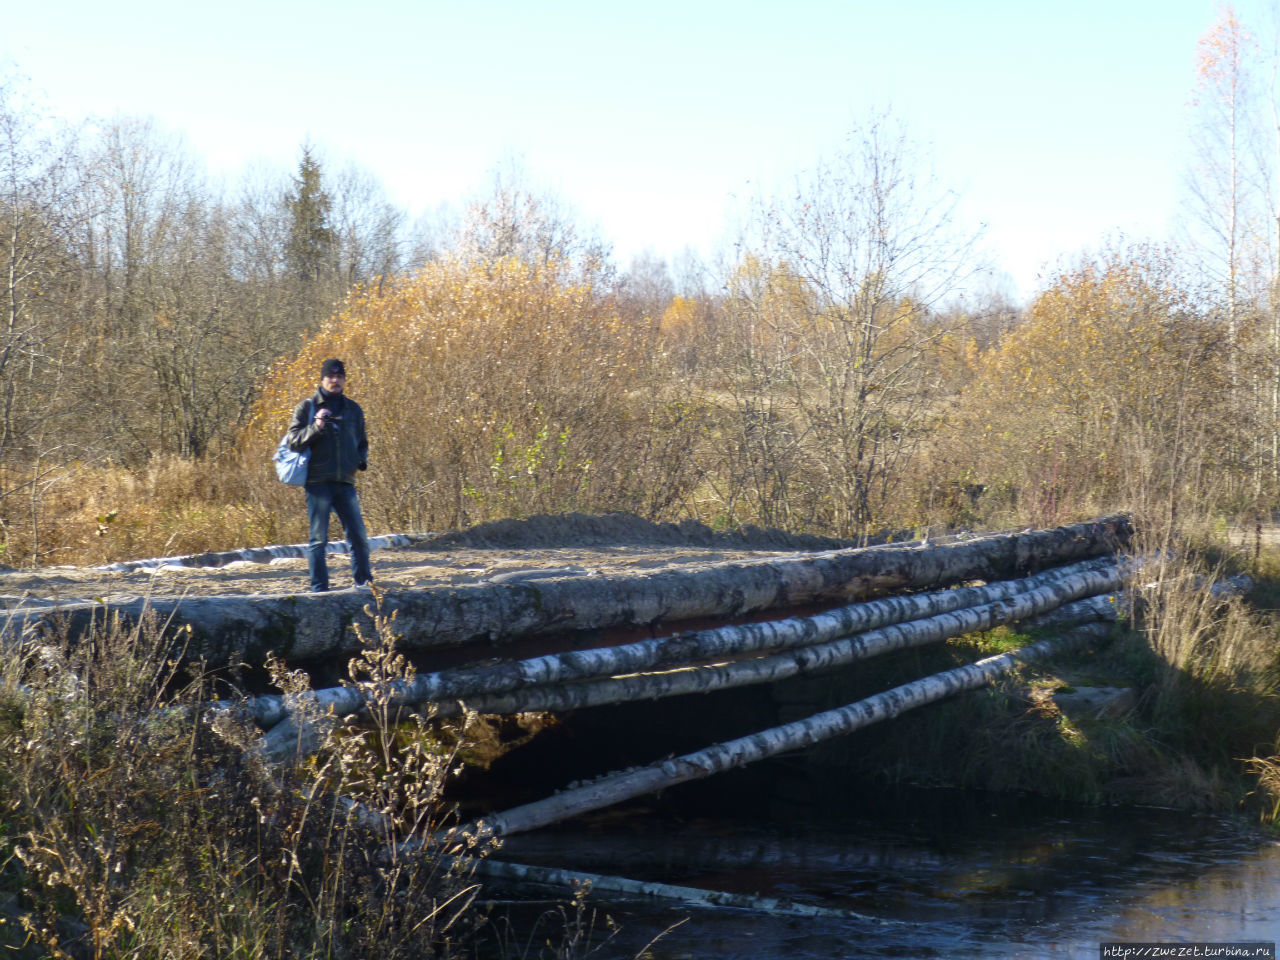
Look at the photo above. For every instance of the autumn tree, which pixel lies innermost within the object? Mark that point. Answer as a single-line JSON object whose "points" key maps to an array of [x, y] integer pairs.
{"points": [[168, 316], [41, 355], [496, 389], [645, 288], [689, 335], [1112, 393], [852, 262], [142, 306], [369, 231], [513, 220], [1234, 204]]}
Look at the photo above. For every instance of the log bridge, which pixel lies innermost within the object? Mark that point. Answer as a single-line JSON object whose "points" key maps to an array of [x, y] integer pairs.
{"points": [[757, 622]]}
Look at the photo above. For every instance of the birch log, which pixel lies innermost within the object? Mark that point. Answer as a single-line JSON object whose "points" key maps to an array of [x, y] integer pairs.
{"points": [[616, 788], [302, 734], [440, 844], [693, 896], [244, 629], [682, 649], [1104, 607], [812, 659]]}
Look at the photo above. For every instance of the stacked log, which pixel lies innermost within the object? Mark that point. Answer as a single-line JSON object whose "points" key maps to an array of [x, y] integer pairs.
{"points": [[224, 629], [618, 787], [796, 645], [1064, 581]]}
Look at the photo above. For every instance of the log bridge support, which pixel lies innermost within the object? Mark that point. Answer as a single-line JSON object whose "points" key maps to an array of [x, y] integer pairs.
{"points": [[1062, 580]]}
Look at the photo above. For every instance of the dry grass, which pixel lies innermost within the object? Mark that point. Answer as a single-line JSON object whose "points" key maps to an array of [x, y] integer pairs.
{"points": [[136, 825], [135, 822], [101, 514]]}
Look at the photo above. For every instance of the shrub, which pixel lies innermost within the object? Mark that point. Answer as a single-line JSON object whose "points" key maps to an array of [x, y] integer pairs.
{"points": [[494, 390], [144, 826]]}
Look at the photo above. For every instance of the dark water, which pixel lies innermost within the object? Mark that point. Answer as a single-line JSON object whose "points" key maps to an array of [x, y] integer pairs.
{"points": [[944, 874]]}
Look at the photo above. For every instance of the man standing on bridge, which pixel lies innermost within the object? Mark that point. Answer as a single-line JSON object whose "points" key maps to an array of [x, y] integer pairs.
{"points": [[331, 424]]}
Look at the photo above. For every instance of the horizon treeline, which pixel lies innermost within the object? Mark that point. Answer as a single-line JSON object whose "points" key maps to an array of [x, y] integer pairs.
{"points": [[834, 373]]}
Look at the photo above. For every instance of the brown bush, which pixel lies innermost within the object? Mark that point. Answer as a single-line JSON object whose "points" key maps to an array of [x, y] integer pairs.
{"points": [[493, 390], [1115, 391]]}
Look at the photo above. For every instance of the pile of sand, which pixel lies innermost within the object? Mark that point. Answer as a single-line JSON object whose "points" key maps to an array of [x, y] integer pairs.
{"points": [[622, 529]]}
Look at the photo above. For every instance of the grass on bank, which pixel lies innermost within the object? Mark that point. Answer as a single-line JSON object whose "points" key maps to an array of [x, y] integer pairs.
{"points": [[1201, 734], [134, 823]]}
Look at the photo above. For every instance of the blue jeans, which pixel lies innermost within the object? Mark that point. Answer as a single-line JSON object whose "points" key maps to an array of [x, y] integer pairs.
{"points": [[323, 498]]}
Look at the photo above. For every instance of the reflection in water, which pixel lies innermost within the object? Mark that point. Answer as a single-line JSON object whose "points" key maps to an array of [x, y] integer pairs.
{"points": [[950, 874]]}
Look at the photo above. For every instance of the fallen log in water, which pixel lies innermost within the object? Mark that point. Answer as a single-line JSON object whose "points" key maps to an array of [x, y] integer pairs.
{"points": [[446, 843], [245, 629], [303, 734], [681, 649], [692, 896], [616, 788]]}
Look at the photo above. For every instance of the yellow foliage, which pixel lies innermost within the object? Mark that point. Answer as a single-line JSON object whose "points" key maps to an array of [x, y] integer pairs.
{"points": [[680, 318], [1104, 382], [1220, 53], [490, 389]]}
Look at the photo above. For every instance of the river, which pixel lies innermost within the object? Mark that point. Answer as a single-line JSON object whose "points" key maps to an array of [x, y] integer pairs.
{"points": [[940, 873]]}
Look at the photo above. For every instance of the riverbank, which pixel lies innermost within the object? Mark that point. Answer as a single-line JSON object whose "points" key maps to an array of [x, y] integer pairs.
{"points": [[201, 807], [1178, 709]]}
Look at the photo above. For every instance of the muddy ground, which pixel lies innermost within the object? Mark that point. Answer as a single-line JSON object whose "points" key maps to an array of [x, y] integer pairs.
{"points": [[505, 549]]}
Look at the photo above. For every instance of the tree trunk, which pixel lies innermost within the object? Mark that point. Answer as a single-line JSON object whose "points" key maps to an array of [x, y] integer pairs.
{"points": [[771, 669], [793, 736], [568, 879], [682, 649], [304, 732], [445, 846], [245, 629]]}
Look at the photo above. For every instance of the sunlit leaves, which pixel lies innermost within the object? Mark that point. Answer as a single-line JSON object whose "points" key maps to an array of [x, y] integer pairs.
{"points": [[1112, 378], [492, 388], [1220, 53]]}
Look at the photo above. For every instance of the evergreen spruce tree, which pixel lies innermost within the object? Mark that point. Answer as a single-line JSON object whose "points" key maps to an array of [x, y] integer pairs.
{"points": [[310, 250]]}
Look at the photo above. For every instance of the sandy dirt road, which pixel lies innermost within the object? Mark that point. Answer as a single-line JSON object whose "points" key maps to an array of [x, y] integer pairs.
{"points": [[505, 550]]}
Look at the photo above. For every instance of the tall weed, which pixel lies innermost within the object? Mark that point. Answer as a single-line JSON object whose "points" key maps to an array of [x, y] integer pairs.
{"points": [[141, 826], [1214, 691]]}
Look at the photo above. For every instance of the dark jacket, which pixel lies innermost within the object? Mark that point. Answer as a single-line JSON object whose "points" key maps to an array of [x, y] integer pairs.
{"points": [[337, 451]]}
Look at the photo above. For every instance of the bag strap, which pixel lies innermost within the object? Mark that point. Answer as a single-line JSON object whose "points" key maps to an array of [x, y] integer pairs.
{"points": [[311, 414]]}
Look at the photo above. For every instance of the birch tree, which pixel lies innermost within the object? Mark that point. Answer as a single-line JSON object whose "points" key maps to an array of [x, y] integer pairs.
{"points": [[1223, 184], [40, 186], [1235, 219], [868, 245]]}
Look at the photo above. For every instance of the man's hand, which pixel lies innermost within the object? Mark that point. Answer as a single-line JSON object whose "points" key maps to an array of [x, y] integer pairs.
{"points": [[322, 417]]}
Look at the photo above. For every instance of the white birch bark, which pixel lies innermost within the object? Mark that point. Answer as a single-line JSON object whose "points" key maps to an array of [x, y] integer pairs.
{"points": [[245, 629], [568, 879], [811, 659], [681, 649], [456, 838], [303, 733], [618, 787], [1104, 607]]}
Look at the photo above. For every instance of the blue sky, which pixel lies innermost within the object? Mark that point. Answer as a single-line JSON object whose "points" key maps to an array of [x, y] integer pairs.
{"points": [[1059, 125]]}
